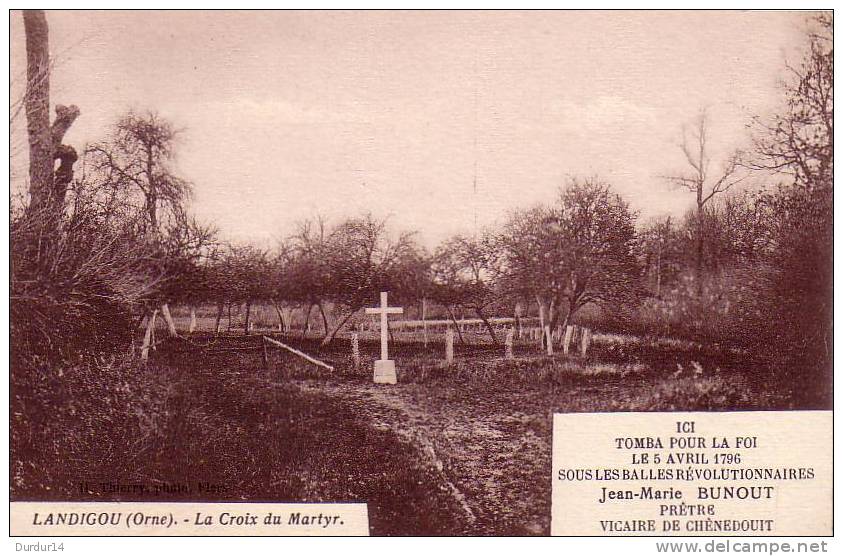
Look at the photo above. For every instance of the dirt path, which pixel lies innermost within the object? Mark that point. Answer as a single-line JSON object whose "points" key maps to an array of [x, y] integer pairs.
{"points": [[494, 460]]}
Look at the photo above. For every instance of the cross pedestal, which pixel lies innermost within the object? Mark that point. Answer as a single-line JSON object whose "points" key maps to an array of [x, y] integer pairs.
{"points": [[385, 372], [385, 367]]}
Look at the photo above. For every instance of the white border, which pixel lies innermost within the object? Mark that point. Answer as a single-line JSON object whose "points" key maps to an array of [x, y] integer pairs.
{"points": [[407, 546]]}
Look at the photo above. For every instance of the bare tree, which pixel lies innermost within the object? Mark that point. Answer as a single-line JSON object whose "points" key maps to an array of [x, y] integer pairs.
{"points": [[362, 259], [248, 276], [464, 277], [662, 251], [800, 140], [306, 277], [702, 181], [138, 157]]}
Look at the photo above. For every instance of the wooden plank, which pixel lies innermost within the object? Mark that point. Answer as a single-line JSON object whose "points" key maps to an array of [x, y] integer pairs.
{"points": [[299, 353]]}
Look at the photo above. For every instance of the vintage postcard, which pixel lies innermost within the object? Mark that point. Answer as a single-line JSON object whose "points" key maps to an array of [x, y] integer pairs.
{"points": [[421, 273]]}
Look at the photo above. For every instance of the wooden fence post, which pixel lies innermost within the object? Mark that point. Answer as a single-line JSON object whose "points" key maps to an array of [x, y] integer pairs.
{"points": [[449, 347], [148, 337], [265, 355], [355, 350], [424, 319], [510, 338]]}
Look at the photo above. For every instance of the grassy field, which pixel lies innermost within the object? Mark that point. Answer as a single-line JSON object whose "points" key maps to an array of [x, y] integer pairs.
{"points": [[449, 450]]}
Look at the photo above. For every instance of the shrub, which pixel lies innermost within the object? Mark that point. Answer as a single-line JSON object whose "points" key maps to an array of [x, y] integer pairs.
{"points": [[73, 288], [85, 421]]}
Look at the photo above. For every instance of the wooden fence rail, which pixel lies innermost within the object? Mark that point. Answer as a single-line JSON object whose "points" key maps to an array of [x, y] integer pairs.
{"points": [[299, 353]]}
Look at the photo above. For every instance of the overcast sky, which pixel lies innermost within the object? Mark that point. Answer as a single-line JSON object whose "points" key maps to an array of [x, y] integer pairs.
{"points": [[292, 114]]}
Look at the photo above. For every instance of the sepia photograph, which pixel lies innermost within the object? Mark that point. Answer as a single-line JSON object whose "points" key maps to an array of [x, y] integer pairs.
{"points": [[421, 272]]}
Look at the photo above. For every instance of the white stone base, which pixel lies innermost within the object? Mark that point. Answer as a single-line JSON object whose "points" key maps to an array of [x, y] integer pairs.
{"points": [[385, 372]]}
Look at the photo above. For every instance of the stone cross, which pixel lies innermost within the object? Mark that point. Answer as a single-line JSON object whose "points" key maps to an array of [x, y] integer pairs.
{"points": [[384, 367]]}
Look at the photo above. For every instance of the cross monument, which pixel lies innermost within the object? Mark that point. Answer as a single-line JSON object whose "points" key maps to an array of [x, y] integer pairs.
{"points": [[385, 367]]}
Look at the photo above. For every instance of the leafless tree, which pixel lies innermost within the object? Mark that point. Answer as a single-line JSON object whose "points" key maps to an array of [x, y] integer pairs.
{"points": [[702, 181], [463, 277], [662, 249], [137, 162], [138, 157], [362, 259], [799, 141]]}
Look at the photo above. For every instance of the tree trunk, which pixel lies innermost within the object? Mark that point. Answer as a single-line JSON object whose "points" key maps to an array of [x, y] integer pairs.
{"points": [[330, 336], [192, 328], [288, 319], [219, 317], [47, 187], [324, 319], [152, 192], [171, 326], [229, 316], [585, 341], [424, 319], [553, 318], [37, 104], [488, 327], [154, 343], [566, 339], [699, 242], [659, 273], [246, 330], [565, 336], [566, 321], [456, 324], [282, 325], [306, 320], [541, 322]]}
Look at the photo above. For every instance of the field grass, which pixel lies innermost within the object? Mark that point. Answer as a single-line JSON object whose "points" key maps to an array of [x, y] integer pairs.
{"points": [[452, 450]]}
